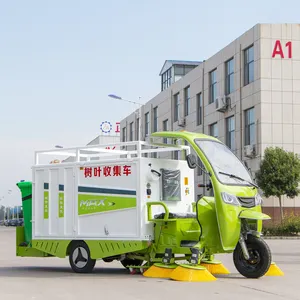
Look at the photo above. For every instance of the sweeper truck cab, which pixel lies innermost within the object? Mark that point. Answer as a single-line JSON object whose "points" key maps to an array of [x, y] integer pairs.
{"points": [[136, 204]]}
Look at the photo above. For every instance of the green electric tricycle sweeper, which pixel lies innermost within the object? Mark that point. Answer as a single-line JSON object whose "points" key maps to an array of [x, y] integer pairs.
{"points": [[136, 204]]}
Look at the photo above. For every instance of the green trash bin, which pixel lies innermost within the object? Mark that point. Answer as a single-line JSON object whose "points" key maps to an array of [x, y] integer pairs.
{"points": [[26, 191]]}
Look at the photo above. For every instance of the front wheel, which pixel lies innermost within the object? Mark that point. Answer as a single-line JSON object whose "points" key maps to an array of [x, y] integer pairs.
{"points": [[259, 261]]}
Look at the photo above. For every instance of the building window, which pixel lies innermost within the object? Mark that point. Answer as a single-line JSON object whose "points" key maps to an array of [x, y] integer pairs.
{"points": [[212, 86], [124, 134], [165, 128], [229, 80], [199, 109], [181, 70], [137, 129], [155, 124], [213, 130], [186, 101], [166, 79], [248, 65], [131, 131], [249, 127], [147, 124], [230, 133], [176, 107]]}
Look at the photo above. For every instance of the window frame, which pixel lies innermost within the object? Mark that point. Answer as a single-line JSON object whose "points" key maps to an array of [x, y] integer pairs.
{"points": [[166, 121], [155, 119], [230, 132], [229, 76], [187, 100], [124, 133], [137, 129], [213, 86], [215, 124], [247, 139], [199, 106], [131, 132], [166, 79], [176, 102], [147, 123], [247, 64]]}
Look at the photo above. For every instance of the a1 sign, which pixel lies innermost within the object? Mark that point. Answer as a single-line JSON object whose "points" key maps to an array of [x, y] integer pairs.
{"points": [[278, 49]]}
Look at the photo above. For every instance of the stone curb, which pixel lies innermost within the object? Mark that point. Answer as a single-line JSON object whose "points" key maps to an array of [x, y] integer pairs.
{"points": [[281, 237]]}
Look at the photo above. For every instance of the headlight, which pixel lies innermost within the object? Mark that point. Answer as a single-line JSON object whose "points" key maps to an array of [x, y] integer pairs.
{"points": [[230, 199], [258, 200]]}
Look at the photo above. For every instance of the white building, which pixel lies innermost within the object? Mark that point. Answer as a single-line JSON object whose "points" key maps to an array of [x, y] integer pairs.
{"points": [[247, 95]]}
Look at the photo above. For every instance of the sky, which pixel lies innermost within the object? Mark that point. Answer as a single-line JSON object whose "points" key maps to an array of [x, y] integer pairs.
{"points": [[60, 59]]}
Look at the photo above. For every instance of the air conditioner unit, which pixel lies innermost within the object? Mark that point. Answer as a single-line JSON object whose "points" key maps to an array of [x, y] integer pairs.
{"points": [[249, 151], [222, 103], [181, 122]]}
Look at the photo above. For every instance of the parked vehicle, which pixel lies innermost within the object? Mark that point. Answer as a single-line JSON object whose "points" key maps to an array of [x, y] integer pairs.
{"points": [[139, 210]]}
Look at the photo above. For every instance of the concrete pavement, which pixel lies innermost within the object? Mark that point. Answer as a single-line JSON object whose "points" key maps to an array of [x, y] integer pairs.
{"points": [[52, 278]]}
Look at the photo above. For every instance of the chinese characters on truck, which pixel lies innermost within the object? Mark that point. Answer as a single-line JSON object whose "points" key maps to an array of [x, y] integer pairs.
{"points": [[106, 171]]}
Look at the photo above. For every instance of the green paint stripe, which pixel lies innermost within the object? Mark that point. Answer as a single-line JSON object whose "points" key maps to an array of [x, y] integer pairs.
{"points": [[89, 204]]}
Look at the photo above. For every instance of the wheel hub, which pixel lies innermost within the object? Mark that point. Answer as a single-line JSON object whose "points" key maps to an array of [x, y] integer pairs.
{"points": [[254, 257], [80, 257]]}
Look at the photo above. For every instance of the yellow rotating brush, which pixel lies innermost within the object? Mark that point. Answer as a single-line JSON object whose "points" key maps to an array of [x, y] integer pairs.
{"points": [[274, 270], [160, 270], [215, 267], [191, 273]]}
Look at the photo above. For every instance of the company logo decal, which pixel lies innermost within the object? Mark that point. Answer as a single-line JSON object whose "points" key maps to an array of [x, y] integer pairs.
{"points": [[95, 203]]}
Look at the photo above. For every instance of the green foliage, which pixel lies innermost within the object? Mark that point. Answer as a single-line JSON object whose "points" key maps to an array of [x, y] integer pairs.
{"points": [[290, 226], [279, 173]]}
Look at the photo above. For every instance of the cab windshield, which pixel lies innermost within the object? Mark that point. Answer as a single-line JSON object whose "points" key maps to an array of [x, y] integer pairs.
{"points": [[223, 160]]}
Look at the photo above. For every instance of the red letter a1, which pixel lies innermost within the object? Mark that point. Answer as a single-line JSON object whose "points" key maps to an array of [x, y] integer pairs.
{"points": [[278, 49]]}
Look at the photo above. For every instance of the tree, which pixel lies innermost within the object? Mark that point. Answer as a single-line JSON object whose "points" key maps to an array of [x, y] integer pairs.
{"points": [[279, 174]]}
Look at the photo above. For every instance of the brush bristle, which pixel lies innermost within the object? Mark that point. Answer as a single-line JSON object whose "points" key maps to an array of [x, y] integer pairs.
{"points": [[160, 271], [184, 273], [216, 268], [274, 270]]}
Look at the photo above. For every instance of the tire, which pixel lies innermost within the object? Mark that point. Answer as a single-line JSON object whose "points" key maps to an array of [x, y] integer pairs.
{"points": [[131, 262], [260, 258], [80, 259]]}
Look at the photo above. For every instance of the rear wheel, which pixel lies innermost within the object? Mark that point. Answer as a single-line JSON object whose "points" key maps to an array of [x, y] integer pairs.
{"points": [[259, 261], [80, 259]]}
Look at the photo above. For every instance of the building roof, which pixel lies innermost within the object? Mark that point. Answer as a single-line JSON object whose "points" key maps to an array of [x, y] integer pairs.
{"points": [[169, 63]]}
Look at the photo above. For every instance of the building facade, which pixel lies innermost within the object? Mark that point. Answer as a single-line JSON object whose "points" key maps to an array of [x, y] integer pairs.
{"points": [[247, 95]]}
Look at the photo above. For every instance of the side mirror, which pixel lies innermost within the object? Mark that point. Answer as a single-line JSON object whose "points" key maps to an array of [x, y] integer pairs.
{"points": [[191, 161]]}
